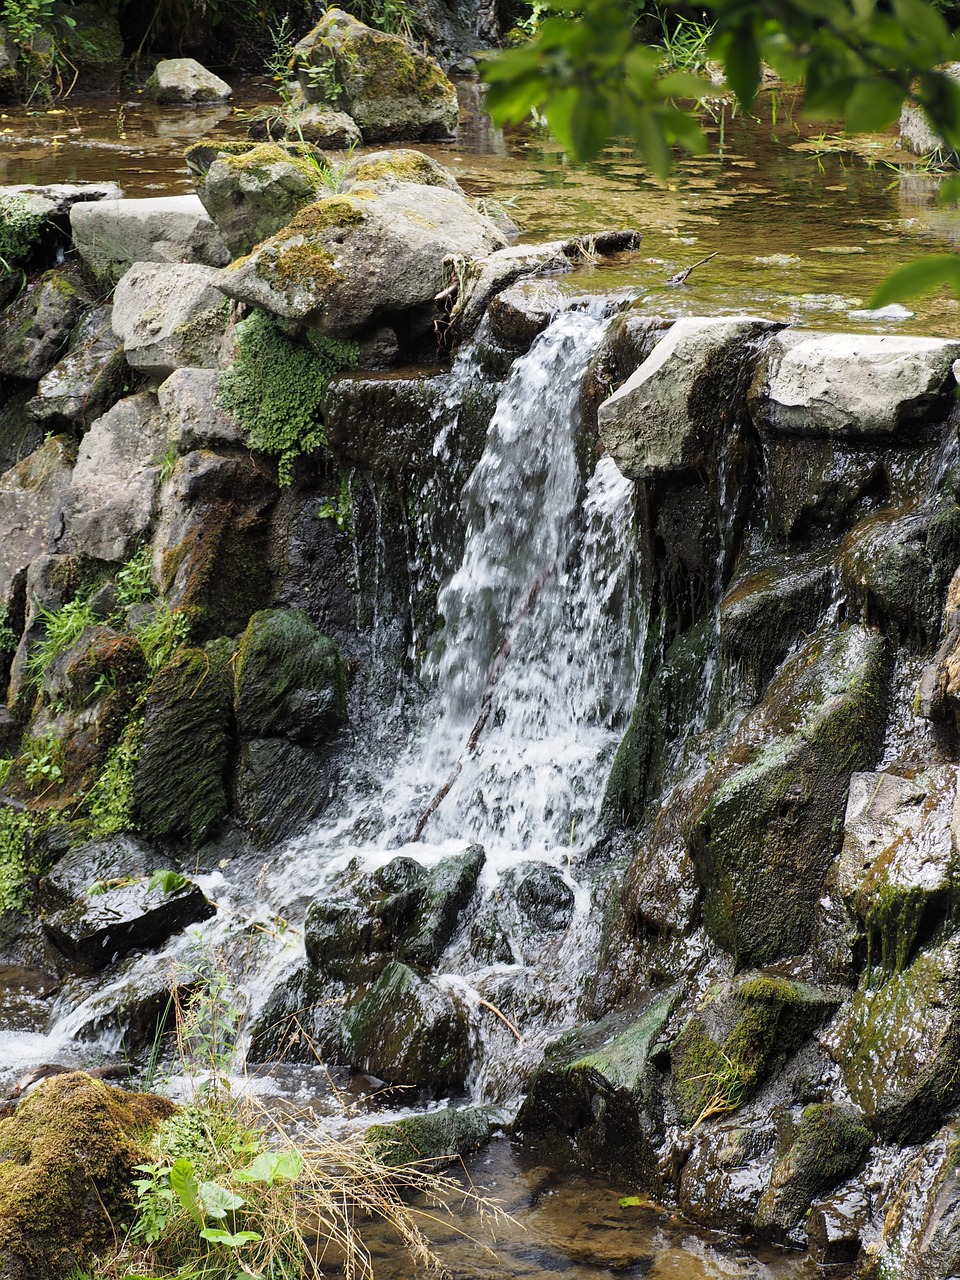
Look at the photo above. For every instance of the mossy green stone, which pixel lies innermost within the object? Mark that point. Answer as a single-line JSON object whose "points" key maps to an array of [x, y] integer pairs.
{"points": [[290, 680]]}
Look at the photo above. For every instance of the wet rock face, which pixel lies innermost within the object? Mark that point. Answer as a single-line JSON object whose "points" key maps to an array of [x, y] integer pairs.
{"points": [[920, 1236]]}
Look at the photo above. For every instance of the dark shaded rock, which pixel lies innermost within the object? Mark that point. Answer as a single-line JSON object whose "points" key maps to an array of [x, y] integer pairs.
{"points": [[409, 1030], [281, 786], [290, 680], [20, 433], [438, 1136], [725, 1175], [766, 821], [180, 783], [543, 897], [819, 485], [71, 1134], [85, 382], [37, 327], [96, 928], [835, 1226]]}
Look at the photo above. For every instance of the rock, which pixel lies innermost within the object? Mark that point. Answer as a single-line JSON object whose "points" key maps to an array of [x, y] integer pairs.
{"points": [[32, 496], [522, 311], [544, 899], [824, 1146], [389, 89], [399, 912], [90, 41], [253, 195], [397, 166], [112, 499], [20, 434], [71, 1134], [939, 694], [180, 782], [56, 199], [51, 580], [588, 1100], [484, 277], [210, 546], [740, 1035], [835, 1226], [920, 1232], [169, 316], [438, 1136], [97, 928], [766, 821], [849, 385], [410, 1031], [896, 1045], [185, 80], [898, 868], [111, 235], [725, 1174], [819, 485], [290, 680], [327, 129], [682, 398], [87, 381], [280, 787], [188, 401], [36, 328], [917, 134], [351, 261]]}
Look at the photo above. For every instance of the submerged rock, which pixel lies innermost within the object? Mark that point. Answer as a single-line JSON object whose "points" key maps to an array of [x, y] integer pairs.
{"points": [[185, 80], [67, 1157], [438, 1136], [389, 89], [111, 235]]}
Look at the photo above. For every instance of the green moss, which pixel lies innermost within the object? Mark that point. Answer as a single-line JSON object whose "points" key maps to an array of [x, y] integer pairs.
{"points": [[405, 166], [276, 386], [435, 1136], [16, 832], [289, 679], [335, 211], [21, 227], [304, 263]]}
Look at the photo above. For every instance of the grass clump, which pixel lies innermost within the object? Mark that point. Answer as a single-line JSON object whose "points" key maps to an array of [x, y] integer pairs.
{"points": [[164, 631], [63, 627], [275, 388]]}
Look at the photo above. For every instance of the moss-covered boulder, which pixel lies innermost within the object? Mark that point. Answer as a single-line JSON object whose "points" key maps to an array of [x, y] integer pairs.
{"points": [[67, 1157], [410, 1031], [588, 1102], [739, 1036], [438, 1136], [766, 821], [89, 37], [390, 89], [400, 165], [290, 680], [251, 195], [180, 783], [815, 1152], [897, 1043]]}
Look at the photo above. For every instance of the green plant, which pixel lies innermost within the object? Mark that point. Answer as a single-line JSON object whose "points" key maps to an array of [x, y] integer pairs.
{"points": [[24, 19], [16, 829], [41, 760], [165, 630], [167, 881], [8, 637], [277, 63], [5, 766], [63, 627], [275, 388], [339, 509], [20, 228], [109, 802], [685, 42], [133, 580], [333, 175]]}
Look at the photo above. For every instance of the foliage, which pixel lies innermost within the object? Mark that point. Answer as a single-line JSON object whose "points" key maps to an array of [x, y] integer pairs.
{"points": [[165, 630], [15, 831], [685, 43], [276, 386], [109, 801], [24, 19], [41, 760], [63, 627], [133, 580], [20, 225], [167, 881], [8, 637]]}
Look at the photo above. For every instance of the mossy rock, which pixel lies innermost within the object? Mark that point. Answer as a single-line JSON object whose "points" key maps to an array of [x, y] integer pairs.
{"points": [[67, 1158], [252, 194], [438, 1136], [90, 38], [767, 819], [279, 786], [827, 1144], [586, 1104], [740, 1035], [401, 165], [897, 1046], [410, 1031], [179, 788], [290, 680]]}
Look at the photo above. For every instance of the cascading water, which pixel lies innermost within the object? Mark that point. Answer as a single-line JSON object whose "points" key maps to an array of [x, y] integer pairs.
{"points": [[534, 673]]}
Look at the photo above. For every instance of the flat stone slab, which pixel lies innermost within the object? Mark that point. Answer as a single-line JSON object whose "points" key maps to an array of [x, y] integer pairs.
{"points": [[850, 385], [111, 235]]}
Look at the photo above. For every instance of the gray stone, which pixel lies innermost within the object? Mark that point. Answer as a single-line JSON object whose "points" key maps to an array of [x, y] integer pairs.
{"points": [[31, 500], [349, 261], [37, 327], [390, 89], [87, 380], [673, 408], [56, 199], [170, 317], [484, 277], [326, 128], [185, 80], [398, 165], [9, 53], [110, 235], [252, 195], [917, 134], [113, 496], [188, 400], [920, 1222], [850, 385]]}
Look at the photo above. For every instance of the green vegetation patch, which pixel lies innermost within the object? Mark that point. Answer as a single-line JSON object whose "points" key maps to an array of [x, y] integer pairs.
{"points": [[21, 226]]}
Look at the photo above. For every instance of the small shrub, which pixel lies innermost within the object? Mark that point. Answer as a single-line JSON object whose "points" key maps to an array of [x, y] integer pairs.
{"points": [[163, 632], [134, 583], [275, 388], [8, 637], [41, 761]]}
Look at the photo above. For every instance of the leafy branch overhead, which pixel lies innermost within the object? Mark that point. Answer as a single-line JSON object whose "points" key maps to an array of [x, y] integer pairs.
{"points": [[587, 74]]}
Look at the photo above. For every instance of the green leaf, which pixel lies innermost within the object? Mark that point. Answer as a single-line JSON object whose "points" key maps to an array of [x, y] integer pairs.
{"points": [[185, 1188], [631, 1202], [168, 881], [873, 105], [920, 276], [232, 1239], [217, 1201], [271, 1165], [741, 60]]}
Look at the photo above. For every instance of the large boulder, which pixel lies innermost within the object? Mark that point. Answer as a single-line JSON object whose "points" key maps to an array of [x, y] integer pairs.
{"points": [[35, 330], [352, 260], [67, 1157], [252, 195], [290, 680], [766, 821], [87, 380], [390, 89], [169, 316], [185, 80], [677, 404], [111, 235], [113, 492], [850, 385]]}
